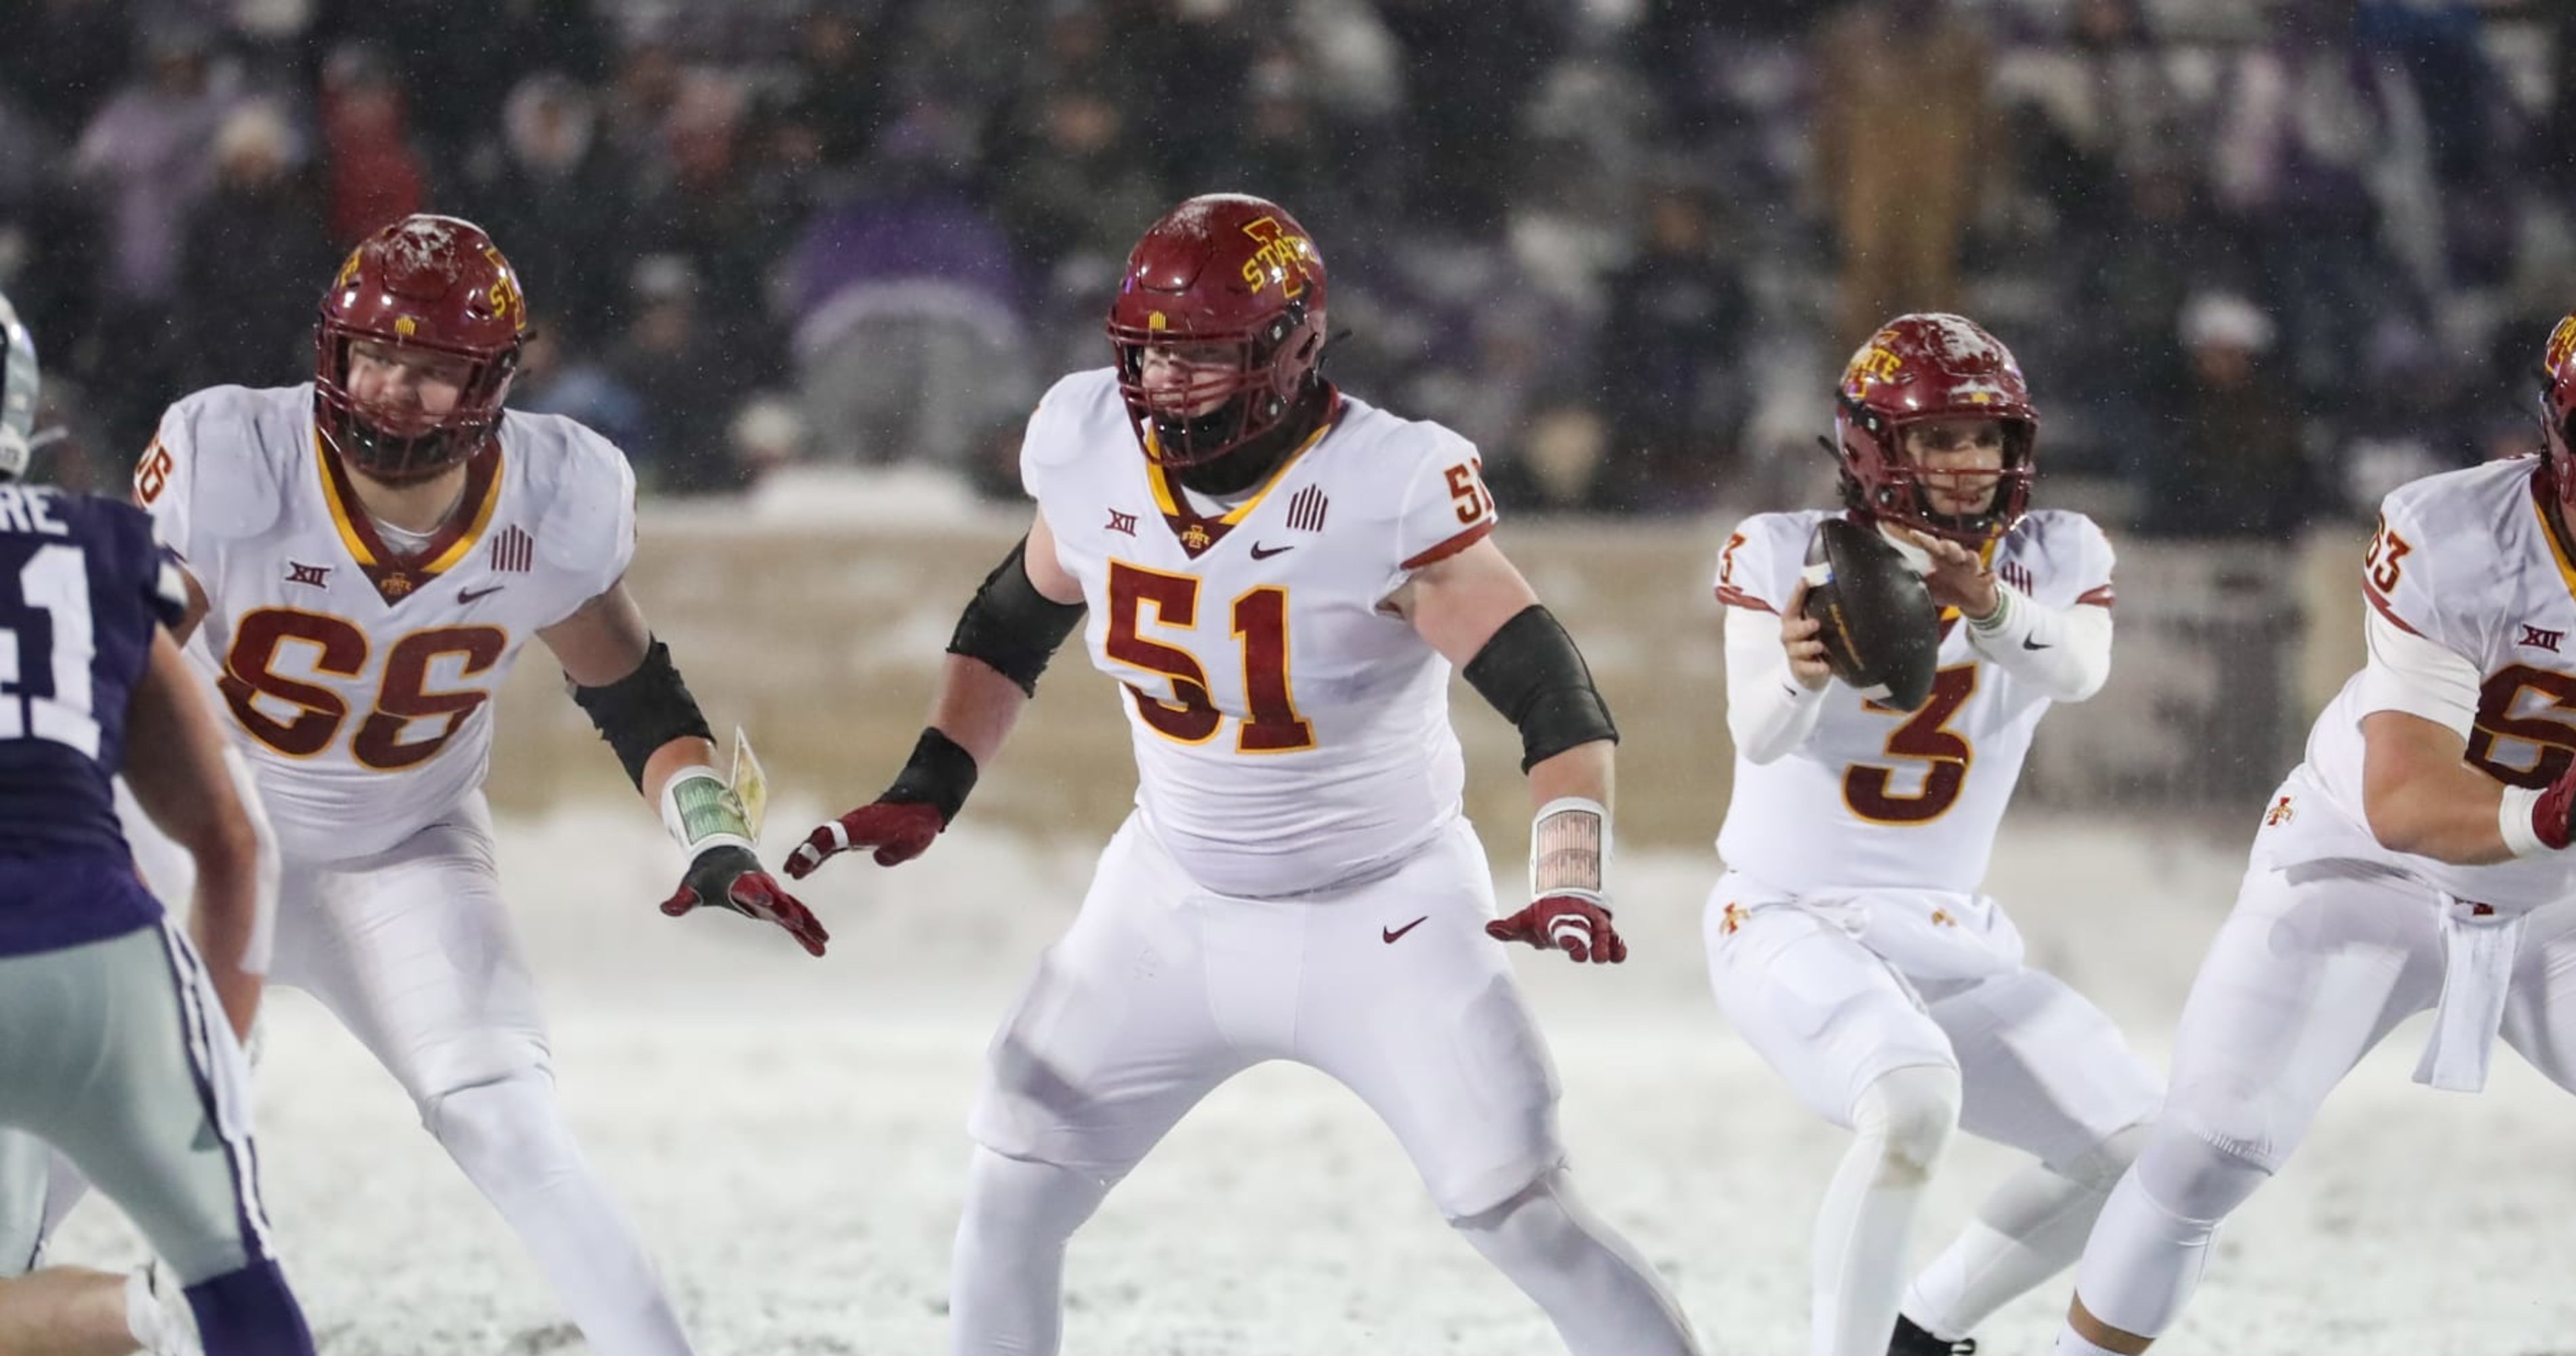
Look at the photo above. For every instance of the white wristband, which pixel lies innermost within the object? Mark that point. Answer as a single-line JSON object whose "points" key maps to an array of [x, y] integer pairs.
{"points": [[1569, 846], [2003, 613], [2513, 820], [701, 811]]}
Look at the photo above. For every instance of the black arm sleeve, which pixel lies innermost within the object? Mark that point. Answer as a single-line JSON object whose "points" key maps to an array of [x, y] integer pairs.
{"points": [[1532, 673], [1011, 626], [643, 711]]}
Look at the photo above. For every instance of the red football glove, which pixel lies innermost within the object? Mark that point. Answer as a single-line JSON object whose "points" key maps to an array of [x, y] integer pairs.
{"points": [[731, 877], [2553, 816], [1575, 922], [899, 830]]}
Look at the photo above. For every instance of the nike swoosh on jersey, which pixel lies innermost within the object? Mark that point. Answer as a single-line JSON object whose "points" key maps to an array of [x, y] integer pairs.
{"points": [[2029, 644], [1392, 934], [469, 595], [1261, 552]]}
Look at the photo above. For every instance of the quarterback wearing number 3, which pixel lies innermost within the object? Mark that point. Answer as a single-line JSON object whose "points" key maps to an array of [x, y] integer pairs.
{"points": [[1278, 578], [1847, 940]]}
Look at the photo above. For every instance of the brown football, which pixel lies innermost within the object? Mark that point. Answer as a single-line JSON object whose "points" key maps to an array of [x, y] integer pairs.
{"points": [[1880, 630]]}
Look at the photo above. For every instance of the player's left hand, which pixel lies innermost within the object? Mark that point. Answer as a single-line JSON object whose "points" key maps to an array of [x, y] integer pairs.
{"points": [[1958, 579], [1576, 922], [732, 877]]}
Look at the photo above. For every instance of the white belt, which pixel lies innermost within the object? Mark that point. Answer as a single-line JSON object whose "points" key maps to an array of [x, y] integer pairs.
{"points": [[2478, 947]]}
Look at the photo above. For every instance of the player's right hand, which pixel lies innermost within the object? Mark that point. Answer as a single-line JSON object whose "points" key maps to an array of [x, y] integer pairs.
{"points": [[2553, 815], [1576, 922], [1801, 637], [730, 877], [899, 830]]}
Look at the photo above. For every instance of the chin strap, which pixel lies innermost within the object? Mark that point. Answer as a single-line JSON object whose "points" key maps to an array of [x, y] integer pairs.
{"points": [[1243, 467]]}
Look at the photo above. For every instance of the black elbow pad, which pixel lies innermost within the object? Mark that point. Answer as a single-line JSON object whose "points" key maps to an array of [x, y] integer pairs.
{"points": [[1532, 673], [1010, 625], [643, 711]]}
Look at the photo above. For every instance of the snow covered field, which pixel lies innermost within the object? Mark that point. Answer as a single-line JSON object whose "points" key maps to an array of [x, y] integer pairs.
{"points": [[788, 1134]]}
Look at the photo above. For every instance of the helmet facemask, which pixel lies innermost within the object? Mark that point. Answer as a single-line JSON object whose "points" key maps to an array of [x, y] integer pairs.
{"points": [[1899, 489], [405, 457], [1268, 381]]}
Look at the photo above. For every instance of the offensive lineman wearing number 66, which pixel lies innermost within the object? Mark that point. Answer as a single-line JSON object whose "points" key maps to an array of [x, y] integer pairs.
{"points": [[368, 553], [1279, 584]]}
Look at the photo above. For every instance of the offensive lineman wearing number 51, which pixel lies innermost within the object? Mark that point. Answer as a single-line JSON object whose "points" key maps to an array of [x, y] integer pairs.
{"points": [[1847, 941], [1279, 585], [369, 553]]}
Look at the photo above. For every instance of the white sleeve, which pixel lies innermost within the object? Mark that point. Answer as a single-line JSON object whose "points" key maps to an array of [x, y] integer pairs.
{"points": [[589, 529], [1767, 712], [2409, 673], [2064, 652]]}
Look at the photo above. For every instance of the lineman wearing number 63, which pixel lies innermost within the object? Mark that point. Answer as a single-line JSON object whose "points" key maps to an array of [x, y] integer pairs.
{"points": [[2418, 858], [1279, 585]]}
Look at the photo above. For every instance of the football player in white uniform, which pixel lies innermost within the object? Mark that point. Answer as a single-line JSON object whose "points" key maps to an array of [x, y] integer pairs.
{"points": [[1279, 584], [2411, 862], [368, 554], [1847, 940]]}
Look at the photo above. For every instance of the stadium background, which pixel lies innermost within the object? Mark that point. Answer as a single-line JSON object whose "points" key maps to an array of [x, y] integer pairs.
{"points": [[810, 262]]}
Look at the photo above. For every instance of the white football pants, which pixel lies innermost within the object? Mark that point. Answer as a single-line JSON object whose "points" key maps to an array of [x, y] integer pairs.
{"points": [[1162, 990]]}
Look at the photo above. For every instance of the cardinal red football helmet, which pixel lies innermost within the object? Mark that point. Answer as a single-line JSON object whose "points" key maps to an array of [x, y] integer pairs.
{"points": [[1931, 366], [425, 282], [1226, 270], [2558, 417]]}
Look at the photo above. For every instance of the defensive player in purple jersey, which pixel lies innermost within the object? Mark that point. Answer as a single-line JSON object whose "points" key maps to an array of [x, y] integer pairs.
{"points": [[117, 1033]]}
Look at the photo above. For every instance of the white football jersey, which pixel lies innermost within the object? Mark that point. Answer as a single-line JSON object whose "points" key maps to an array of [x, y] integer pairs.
{"points": [[1291, 733], [2465, 560], [1879, 797], [359, 681]]}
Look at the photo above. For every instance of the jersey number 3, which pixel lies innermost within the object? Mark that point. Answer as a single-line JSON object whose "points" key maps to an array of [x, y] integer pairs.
{"points": [[1928, 738], [335, 646], [1261, 631]]}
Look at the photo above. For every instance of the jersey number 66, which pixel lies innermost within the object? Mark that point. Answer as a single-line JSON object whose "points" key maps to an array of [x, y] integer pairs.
{"points": [[335, 646]]}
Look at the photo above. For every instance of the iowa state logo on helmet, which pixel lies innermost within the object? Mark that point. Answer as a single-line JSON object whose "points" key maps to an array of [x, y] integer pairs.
{"points": [[1874, 362], [2561, 347], [1280, 259]]}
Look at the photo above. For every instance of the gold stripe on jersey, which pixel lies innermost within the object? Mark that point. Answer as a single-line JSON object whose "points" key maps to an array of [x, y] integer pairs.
{"points": [[395, 576], [1198, 532]]}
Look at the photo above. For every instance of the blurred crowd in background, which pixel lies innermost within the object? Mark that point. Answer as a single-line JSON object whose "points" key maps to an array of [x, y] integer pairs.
{"points": [[2260, 262]]}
